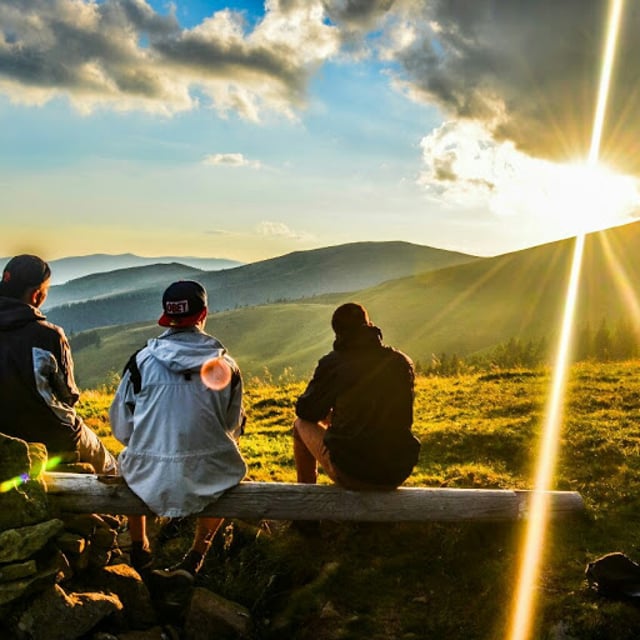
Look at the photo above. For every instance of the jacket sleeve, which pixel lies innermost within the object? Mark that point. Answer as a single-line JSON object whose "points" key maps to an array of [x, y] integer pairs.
{"points": [[121, 410], [320, 395], [236, 416], [61, 376]]}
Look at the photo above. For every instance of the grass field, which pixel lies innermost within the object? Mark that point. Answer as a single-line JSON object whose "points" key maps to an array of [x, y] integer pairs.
{"points": [[449, 581]]}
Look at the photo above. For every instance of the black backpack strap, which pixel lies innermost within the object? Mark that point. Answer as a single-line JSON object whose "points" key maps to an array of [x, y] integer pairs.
{"points": [[134, 372]]}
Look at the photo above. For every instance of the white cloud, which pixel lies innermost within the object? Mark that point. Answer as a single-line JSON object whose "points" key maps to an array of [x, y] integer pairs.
{"points": [[280, 229], [120, 54], [464, 166], [231, 160]]}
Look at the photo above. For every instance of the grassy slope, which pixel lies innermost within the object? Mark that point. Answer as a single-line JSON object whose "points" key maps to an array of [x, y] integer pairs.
{"points": [[450, 581], [463, 309]]}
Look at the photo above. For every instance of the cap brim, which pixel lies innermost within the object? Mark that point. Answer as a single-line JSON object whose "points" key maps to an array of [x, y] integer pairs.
{"points": [[179, 322]]}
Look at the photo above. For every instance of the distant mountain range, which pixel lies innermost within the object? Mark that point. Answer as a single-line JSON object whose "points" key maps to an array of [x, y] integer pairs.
{"points": [[117, 282], [65, 269], [132, 295], [467, 308]]}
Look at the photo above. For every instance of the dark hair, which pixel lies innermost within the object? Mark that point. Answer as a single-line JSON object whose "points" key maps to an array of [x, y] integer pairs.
{"points": [[349, 317], [21, 273]]}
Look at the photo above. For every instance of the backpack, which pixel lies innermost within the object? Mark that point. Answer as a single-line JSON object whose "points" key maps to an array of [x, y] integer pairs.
{"points": [[614, 575]]}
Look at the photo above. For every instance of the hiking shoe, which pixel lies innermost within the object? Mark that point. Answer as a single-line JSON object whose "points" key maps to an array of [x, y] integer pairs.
{"points": [[140, 557]]}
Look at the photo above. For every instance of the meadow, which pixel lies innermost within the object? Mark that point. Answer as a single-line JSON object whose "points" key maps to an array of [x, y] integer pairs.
{"points": [[454, 580]]}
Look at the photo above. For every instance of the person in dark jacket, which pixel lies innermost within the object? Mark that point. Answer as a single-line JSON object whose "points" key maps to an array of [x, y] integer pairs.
{"points": [[356, 413], [37, 387]]}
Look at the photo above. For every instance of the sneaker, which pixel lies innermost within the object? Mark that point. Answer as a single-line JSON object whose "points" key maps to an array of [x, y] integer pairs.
{"points": [[140, 557]]}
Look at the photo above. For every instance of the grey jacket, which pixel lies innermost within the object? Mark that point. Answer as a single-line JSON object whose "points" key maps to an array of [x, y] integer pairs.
{"points": [[180, 437]]}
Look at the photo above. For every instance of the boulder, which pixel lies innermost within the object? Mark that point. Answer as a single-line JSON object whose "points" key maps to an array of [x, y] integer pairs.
{"points": [[17, 589], [212, 616], [125, 582], [20, 543], [56, 615], [23, 499], [17, 570]]}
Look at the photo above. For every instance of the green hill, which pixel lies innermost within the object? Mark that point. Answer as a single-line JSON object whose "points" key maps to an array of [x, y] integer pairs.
{"points": [[463, 309], [297, 275], [119, 281]]}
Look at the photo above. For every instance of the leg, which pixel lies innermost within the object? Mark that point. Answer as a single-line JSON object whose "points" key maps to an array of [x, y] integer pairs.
{"points": [[309, 449], [138, 529], [140, 555], [206, 529], [92, 450]]}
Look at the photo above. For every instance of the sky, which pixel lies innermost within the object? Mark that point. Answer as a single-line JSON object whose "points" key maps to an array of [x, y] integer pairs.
{"points": [[246, 130]]}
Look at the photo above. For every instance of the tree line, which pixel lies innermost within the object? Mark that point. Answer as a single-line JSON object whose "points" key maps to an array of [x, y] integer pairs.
{"points": [[604, 344]]}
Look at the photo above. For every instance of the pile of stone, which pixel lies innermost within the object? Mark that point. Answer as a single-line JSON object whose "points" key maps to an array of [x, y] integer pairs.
{"points": [[64, 576]]}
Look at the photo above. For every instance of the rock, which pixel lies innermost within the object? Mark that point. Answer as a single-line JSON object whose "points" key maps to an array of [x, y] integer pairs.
{"points": [[12, 591], [105, 538], [18, 544], [17, 570], [71, 543], [211, 616], [23, 500], [14, 457], [38, 458], [85, 524], [125, 582], [54, 615]]}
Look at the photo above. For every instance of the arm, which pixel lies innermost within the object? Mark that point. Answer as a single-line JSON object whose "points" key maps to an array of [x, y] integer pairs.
{"points": [[318, 399], [236, 417]]}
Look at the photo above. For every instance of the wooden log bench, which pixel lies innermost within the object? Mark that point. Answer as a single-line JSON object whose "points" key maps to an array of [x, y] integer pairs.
{"points": [[87, 493]]}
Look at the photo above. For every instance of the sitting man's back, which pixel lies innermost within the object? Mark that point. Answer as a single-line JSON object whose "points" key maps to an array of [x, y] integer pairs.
{"points": [[356, 414], [37, 387]]}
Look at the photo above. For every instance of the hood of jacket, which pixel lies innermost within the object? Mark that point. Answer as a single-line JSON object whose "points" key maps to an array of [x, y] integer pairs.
{"points": [[363, 337], [184, 350], [15, 314]]}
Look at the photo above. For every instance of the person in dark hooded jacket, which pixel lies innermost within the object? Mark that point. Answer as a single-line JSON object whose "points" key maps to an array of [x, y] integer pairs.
{"points": [[38, 392], [356, 413]]}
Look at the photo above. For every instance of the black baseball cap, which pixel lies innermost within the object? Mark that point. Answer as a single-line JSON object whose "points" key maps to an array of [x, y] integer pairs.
{"points": [[23, 272], [183, 303]]}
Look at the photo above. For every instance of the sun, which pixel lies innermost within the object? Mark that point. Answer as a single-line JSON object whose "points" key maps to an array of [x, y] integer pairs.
{"points": [[546, 198], [566, 199], [592, 197]]}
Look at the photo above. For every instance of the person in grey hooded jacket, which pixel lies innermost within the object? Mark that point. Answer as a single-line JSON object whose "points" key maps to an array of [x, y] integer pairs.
{"points": [[178, 411]]}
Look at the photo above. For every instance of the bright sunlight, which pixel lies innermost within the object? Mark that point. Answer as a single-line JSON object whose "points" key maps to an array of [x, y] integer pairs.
{"points": [[563, 199]]}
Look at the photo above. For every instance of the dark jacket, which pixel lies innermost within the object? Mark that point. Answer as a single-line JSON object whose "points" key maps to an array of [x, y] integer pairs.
{"points": [[37, 389], [367, 388]]}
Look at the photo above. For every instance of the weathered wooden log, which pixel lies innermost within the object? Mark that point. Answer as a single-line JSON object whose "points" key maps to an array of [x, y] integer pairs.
{"points": [[289, 501]]}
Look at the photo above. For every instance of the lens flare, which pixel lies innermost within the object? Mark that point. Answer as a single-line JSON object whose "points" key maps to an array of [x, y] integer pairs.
{"points": [[524, 600], [622, 281], [215, 373], [14, 483]]}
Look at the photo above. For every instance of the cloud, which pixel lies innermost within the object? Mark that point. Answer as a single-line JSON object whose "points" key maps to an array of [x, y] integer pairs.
{"points": [[231, 160], [123, 55], [528, 70], [280, 229], [464, 166]]}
